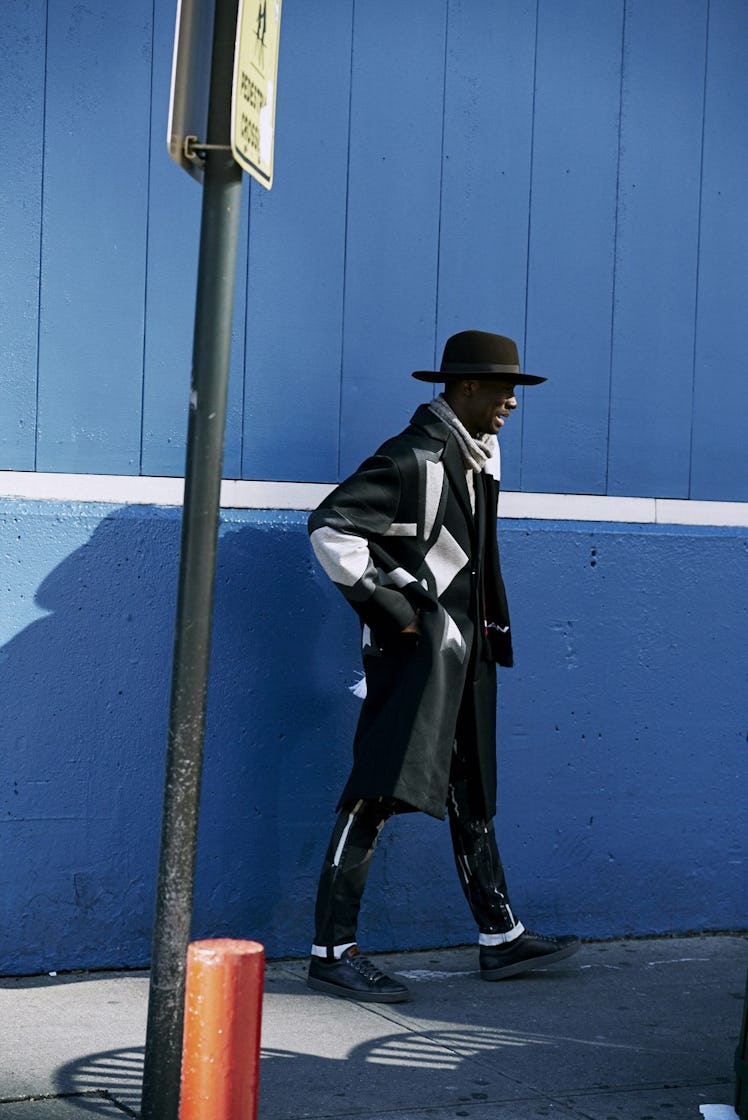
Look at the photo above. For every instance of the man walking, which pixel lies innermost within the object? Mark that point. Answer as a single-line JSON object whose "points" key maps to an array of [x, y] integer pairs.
{"points": [[410, 541]]}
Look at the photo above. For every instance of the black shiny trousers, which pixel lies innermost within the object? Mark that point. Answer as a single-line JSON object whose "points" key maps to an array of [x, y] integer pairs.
{"points": [[354, 837]]}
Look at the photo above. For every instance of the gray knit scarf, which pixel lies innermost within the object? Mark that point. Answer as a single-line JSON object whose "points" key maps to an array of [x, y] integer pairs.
{"points": [[475, 452]]}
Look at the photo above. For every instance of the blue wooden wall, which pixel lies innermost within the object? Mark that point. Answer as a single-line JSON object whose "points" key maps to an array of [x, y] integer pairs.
{"points": [[572, 174]]}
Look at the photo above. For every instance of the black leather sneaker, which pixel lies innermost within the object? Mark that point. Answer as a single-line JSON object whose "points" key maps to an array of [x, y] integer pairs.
{"points": [[528, 951], [354, 977]]}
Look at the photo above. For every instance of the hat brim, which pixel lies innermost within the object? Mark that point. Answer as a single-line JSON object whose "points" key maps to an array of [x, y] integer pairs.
{"points": [[437, 377]]}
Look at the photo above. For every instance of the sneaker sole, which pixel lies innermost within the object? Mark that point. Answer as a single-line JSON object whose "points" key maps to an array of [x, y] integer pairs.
{"points": [[351, 993], [527, 966]]}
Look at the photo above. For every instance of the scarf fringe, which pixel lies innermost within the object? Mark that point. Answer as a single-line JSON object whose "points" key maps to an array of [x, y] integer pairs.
{"points": [[359, 688]]}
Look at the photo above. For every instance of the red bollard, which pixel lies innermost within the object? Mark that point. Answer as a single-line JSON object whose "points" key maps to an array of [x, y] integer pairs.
{"points": [[222, 1022]]}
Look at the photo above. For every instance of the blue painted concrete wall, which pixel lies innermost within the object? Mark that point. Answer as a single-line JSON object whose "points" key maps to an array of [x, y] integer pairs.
{"points": [[622, 737], [569, 173]]}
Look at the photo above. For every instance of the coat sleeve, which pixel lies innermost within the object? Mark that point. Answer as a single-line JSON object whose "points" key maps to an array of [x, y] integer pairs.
{"points": [[341, 531]]}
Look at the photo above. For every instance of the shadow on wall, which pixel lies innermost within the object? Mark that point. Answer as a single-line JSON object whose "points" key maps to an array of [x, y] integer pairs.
{"points": [[278, 742], [622, 739], [84, 695]]}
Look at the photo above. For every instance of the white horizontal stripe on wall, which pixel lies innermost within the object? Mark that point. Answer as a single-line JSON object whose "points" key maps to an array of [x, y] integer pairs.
{"points": [[241, 494]]}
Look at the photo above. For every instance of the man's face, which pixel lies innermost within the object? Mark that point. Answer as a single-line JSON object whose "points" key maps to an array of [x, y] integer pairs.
{"points": [[483, 406]]}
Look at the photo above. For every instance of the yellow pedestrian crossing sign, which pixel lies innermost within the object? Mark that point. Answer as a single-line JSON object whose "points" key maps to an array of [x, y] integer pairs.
{"points": [[254, 88]]}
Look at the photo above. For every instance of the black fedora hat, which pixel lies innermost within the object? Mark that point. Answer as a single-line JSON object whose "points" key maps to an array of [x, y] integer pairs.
{"points": [[480, 356]]}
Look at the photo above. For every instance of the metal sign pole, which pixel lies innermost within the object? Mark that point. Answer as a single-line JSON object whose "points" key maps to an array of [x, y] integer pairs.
{"points": [[222, 187]]}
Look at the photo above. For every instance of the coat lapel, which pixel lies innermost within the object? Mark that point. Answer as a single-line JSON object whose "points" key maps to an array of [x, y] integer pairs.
{"points": [[452, 459]]}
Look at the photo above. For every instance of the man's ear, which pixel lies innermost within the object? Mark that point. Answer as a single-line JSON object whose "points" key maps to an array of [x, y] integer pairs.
{"points": [[457, 388]]}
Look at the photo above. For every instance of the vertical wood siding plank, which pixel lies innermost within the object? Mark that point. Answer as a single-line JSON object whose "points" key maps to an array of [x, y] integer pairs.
{"points": [[94, 223], [486, 179], [393, 218], [173, 238], [233, 451], [720, 447], [657, 247], [296, 256], [572, 225], [22, 48], [175, 201]]}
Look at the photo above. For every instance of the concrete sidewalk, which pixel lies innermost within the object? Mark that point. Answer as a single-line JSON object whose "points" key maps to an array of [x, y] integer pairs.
{"points": [[625, 1030]]}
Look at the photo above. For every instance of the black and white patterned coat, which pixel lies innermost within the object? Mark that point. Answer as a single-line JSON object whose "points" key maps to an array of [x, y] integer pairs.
{"points": [[399, 539]]}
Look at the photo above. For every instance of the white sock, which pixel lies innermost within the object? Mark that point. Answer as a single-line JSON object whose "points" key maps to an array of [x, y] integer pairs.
{"points": [[338, 950], [501, 938]]}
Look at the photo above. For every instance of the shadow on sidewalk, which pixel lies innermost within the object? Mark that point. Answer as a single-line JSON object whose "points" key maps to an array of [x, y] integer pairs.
{"points": [[397, 1066], [92, 1082], [116, 1075], [634, 1028]]}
